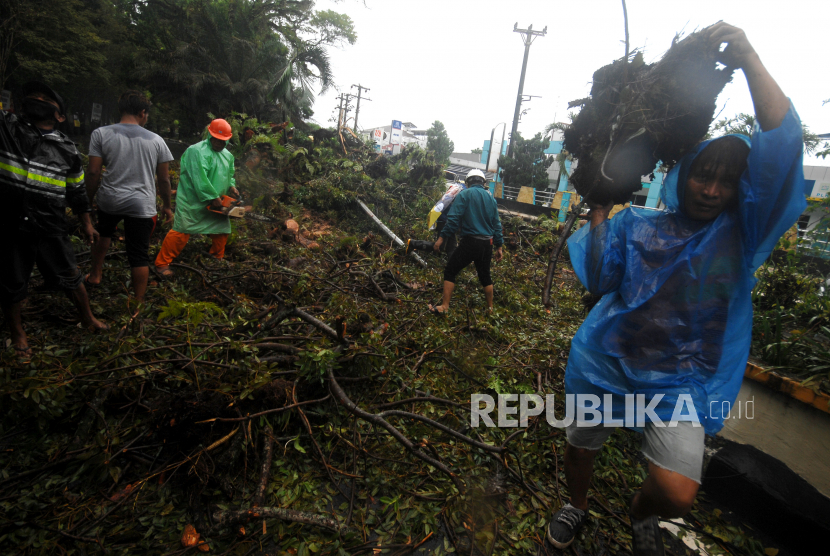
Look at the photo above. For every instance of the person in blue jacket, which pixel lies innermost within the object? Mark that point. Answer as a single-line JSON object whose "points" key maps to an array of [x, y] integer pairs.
{"points": [[474, 215], [672, 330]]}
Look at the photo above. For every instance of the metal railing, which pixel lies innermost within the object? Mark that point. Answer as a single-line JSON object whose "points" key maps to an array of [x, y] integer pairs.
{"points": [[510, 193], [545, 197]]}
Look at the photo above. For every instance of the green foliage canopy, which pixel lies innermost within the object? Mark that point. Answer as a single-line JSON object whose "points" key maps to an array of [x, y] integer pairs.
{"points": [[439, 142], [529, 165], [266, 58]]}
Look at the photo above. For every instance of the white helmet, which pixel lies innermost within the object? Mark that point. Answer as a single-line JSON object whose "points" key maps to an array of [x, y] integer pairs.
{"points": [[475, 174]]}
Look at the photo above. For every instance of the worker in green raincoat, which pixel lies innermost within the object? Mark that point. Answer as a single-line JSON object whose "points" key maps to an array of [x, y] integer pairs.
{"points": [[206, 175]]}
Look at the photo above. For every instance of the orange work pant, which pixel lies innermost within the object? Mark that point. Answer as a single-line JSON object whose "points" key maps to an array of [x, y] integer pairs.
{"points": [[175, 241]]}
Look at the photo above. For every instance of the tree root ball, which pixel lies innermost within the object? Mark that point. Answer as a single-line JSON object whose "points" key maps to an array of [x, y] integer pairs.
{"points": [[640, 114]]}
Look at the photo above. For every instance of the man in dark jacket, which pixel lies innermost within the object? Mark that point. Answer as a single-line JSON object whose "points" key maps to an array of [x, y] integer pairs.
{"points": [[474, 216], [41, 173]]}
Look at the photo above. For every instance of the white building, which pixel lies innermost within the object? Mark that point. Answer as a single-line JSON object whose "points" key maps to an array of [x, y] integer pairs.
{"points": [[382, 135]]}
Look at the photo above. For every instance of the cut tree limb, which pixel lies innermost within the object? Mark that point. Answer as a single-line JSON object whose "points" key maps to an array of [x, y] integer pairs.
{"points": [[265, 473], [352, 407], [554, 257], [389, 232], [224, 518]]}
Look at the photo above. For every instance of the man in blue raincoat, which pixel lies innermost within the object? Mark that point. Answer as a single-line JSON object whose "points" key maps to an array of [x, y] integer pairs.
{"points": [[672, 330]]}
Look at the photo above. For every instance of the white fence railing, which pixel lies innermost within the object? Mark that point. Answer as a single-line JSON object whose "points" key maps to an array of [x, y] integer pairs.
{"points": [[510, 193], [544, 196]]}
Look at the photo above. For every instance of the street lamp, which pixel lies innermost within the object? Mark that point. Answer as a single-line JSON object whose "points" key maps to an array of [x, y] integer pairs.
{"points": [[493, 160]]}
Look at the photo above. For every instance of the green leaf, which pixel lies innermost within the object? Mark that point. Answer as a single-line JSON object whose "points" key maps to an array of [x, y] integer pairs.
{"points": [[297, 445]]}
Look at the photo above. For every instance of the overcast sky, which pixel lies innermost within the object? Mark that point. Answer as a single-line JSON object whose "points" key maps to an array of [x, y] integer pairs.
{"points": [[459, 61]]}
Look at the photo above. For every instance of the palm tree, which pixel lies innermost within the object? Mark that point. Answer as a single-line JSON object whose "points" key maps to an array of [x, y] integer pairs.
{"points": [[240, 55]]}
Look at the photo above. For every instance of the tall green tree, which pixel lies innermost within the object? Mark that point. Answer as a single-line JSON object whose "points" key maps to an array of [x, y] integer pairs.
{"points": [[260, 57], [529, 164], [54, 41], [439, 142]]}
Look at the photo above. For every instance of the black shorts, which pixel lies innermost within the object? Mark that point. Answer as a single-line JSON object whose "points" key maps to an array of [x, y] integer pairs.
{"points": [[471, 250], [55, 260], [137, 232]]}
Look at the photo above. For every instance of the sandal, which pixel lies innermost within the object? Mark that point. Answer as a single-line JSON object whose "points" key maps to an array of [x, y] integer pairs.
{"points": [[24, 354], [90, 285], [434, 310], [92, 329], [164, 272]]}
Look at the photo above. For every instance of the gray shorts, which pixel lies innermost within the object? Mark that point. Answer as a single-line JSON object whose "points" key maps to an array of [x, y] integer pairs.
{"points": [[678, 449]]}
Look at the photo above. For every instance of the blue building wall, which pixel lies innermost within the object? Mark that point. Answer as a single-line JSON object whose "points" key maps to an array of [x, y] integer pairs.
{"points": [[654, 190], [485, 150], [563, 179], [555, 148]]}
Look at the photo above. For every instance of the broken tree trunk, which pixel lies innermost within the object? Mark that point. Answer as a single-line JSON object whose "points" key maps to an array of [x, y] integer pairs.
{"points": [[554, 257], [389, 232]]}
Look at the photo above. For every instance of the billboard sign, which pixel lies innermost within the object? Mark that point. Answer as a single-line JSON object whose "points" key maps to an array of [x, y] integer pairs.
{"points": [[97, 109], [396, 132]]}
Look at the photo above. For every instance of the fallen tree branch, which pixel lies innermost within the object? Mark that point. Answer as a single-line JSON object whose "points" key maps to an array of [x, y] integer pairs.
{"points": [[554, 257], [314, 321], [382, 294], [204, 280], [439, 426], [277, 347], [431, 399], [265, 473], [352, 407], [320, 453], [266, 412], [224, 518], [389, 232]]}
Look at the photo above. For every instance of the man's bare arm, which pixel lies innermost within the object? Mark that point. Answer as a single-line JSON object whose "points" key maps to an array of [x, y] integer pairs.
{"points": [[771, 105], [93, 176], [599, 213], [163, 179]]}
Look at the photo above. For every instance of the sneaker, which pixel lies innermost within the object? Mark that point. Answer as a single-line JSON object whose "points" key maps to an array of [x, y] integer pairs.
{"points": [[646, 537], [564, 526]]}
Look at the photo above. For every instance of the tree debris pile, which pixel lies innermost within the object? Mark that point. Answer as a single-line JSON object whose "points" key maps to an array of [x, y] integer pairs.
{"points": [[639, 114], [298, 401]]}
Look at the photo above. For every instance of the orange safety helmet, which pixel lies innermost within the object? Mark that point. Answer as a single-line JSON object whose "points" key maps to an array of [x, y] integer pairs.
{"points": [[220, 129]]}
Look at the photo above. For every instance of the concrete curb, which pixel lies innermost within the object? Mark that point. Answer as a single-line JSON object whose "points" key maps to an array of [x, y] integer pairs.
{"points": [[788, 386]]}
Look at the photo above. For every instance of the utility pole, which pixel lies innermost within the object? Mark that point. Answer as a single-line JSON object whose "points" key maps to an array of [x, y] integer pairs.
{"points": [[343, 110], [340, 114], [347, 97], [360, 89], [528, 36]]}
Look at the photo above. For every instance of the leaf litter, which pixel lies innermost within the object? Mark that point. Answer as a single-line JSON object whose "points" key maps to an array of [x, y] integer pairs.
{"points": [[299, 401]]}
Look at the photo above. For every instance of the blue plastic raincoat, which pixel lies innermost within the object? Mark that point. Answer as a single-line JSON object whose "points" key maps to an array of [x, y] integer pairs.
{"points": [[676, 313]]}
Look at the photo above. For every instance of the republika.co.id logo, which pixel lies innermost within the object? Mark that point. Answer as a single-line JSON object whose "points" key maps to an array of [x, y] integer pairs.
{"points": [[589, 410]]}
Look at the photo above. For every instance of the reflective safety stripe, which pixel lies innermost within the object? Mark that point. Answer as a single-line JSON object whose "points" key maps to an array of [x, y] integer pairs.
{"points": [[80, 178], [34, 177]]}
